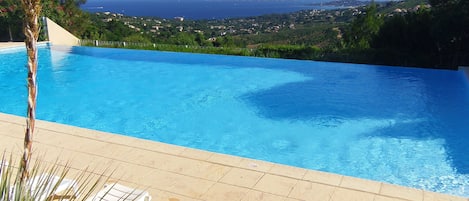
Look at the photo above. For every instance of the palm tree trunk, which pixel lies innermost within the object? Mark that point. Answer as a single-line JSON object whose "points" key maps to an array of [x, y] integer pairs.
{"points": [[32, 9]]}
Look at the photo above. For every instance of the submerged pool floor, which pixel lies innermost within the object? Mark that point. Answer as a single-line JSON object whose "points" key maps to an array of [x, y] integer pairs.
{"points": [[399, 125]]}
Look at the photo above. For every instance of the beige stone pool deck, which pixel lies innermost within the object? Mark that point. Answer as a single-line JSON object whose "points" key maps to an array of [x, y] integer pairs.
{"points": [[11, 44], [173, 173]]}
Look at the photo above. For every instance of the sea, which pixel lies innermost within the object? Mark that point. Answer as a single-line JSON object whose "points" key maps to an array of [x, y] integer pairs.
{"points": [[201, 9]]}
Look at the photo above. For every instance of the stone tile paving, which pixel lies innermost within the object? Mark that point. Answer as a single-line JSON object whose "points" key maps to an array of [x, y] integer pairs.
{"points": [[11, 44], [174, 173]]}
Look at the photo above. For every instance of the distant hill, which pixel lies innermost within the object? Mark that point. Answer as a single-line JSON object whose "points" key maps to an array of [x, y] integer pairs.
{"points": [[343, 3], [406, 4], [391, 5]]}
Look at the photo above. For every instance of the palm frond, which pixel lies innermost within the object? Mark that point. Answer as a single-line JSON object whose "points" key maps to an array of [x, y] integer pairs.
{"points": [[47, 181]]}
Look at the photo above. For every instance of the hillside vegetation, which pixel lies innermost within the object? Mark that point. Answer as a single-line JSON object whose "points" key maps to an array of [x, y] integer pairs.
{"points": [[420, 33]]}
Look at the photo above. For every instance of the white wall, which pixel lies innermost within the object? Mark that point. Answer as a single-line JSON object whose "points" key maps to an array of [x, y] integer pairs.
{"points": [[59, 36]]}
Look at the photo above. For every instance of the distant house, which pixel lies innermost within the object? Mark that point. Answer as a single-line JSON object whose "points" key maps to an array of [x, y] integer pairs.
{"points": [[218, 27]]}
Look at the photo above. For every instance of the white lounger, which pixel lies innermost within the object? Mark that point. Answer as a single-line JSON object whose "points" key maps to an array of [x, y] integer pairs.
{"points": [[46, 186], [3, 166], [117, 192], [67, 186]]}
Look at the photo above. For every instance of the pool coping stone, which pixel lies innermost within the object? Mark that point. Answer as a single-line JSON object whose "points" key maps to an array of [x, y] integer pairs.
{"points": [[171, 172]]}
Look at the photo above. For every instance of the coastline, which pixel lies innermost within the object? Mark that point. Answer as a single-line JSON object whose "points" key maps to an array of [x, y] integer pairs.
{"points": [[199, 10]]}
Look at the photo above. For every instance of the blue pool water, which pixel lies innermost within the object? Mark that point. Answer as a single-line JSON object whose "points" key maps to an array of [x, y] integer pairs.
{"points": [[405, 126]]}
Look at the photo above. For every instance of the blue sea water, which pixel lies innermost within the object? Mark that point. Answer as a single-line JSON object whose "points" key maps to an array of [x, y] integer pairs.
{"points": [[198, 9], [405, 126]]}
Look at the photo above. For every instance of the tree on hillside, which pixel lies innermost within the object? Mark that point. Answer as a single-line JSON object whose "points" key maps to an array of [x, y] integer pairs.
{"points": [[10, 14], [200, 39], [116, 31], [406, 33], [436, 37], [364, 28], [183, 38], [68, 14], [136, 38], [407, 40], [225, 41], [451, 26]]}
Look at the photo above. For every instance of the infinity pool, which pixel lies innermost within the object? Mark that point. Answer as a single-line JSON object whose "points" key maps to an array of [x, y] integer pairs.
{"points": [[404, 126]]}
